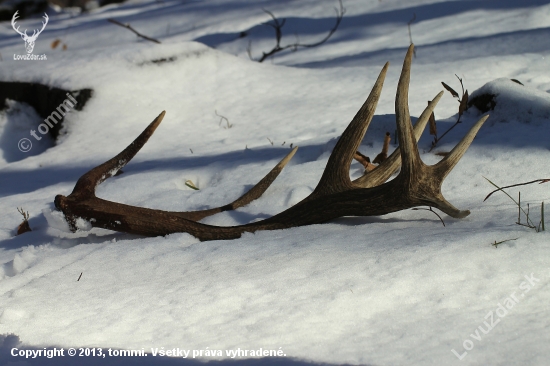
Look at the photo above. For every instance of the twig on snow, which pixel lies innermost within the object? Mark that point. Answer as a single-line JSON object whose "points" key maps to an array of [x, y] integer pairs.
{"points": [[278, 25], [129, 27]]}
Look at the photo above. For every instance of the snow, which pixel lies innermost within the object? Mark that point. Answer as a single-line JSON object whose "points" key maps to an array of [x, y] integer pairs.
{"points": [[396, 289], [516, 102], [17, 120]]}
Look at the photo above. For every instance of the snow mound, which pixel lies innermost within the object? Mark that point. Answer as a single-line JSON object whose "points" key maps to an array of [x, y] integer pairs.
{"points": [[511, 101], [56, 220], [20, 262], [15, 123]]}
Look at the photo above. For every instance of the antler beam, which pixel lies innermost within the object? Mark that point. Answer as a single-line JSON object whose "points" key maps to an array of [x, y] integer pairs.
{"points": [[335, 195]]}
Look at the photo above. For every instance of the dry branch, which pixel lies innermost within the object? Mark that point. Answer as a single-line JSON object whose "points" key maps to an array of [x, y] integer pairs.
{"points": [[277, 25], [539, 181], [129, 27], [23, 227], [463, 105]]}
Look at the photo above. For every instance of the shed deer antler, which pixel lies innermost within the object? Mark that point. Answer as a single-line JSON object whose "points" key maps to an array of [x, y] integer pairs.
{"points": [[335, 195]]}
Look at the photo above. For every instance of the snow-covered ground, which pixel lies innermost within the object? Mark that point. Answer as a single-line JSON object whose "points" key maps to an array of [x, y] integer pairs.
{"points": [[394, 290]]}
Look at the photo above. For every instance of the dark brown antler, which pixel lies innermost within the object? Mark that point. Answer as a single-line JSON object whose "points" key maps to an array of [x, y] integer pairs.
{"points": [[335, 196], [82, 202]]}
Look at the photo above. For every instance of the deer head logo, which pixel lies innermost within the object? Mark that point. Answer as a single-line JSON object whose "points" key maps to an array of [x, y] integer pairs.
{"points": [[29, 41]]}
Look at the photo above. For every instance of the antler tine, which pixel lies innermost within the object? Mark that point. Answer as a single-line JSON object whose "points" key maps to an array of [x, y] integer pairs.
{"points": [[445, 206], [444, 167], [85, 187], [253, 194], [389, 166], [410, 158], [336, 175], [262, 185], [439, 171]]}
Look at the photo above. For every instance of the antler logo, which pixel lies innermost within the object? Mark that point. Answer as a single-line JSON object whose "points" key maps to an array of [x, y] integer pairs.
{"points": [[29, 41]]}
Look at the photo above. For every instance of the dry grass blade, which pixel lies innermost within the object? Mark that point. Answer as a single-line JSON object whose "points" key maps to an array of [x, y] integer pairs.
{"points": [[529, 222], [23, 227], [496, 244], [431, 210], [451, 90], [189, 183], [540, 181], [463, 104]]}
